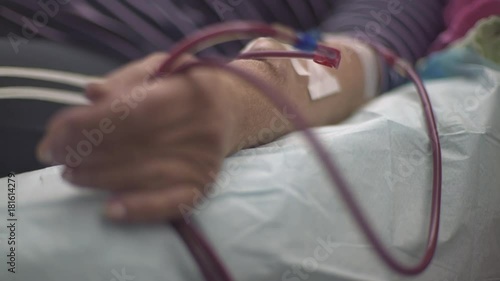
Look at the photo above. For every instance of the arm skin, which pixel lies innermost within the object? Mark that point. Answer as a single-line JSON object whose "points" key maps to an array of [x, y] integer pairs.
{"points": [[256, 113], [164, 153]]}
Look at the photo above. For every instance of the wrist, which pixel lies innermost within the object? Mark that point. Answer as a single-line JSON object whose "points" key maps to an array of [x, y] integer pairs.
{"points": [[216, 93], [258, 121]]}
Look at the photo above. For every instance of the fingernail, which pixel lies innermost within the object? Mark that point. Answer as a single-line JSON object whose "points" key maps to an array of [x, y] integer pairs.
{"points": [[116, 211]]}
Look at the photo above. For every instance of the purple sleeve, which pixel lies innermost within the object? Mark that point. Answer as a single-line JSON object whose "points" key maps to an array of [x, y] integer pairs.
{"points": [[406, 26]]}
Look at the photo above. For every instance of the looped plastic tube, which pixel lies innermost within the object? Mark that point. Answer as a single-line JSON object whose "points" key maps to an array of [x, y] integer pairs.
{"points": [[195, 241]]}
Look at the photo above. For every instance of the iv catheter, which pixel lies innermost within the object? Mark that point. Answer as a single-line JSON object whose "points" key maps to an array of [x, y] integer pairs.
{"points": [[209, 263]]}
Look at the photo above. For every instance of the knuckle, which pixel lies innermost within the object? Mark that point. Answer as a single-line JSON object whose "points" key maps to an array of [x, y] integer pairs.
{"points": [[78, 177], [104, 87], [71, 122], [136, 209], [94, 87], [152, 62], [185, 58]]}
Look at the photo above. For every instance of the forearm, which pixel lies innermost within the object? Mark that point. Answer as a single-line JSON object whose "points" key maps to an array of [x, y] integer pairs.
{"points": [[258, 121]]}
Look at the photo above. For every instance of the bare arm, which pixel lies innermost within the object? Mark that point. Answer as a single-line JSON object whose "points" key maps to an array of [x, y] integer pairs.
{"points": [[257, 116], [163, 142]]}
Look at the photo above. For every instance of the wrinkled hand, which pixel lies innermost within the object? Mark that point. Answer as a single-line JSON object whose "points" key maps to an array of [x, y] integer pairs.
{"points": [[155, 144]]}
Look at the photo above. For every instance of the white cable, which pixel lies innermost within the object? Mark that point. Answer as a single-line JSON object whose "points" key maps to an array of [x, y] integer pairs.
{"points": [[43, 94], [72, 79]]}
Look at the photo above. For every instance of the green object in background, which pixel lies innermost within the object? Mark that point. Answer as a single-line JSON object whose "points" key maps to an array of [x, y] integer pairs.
{"points": [[484, 39]]}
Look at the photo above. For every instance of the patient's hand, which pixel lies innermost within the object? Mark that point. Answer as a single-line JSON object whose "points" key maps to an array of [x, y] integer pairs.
{"points": [[158, 144], [154, 144]]}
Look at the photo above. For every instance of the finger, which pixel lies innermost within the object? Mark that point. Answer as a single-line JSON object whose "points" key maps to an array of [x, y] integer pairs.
{"points": [[152, 206], [136, 175], [56, 129], [95, 91], [122, 178], [93, 148], [84, 129], [148, 67], [157, 104], [110, 154], [147, 105], [121, 115], [122, 80], [183, 59], [136, 149], [69, 128], [136, 71]]}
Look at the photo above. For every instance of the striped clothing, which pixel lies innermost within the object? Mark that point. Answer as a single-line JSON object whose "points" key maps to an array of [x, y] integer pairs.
{"points": [[128, 29]]}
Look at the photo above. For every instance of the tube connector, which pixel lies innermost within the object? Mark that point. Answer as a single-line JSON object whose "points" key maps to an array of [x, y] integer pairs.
{"points": [[324, 55], [327, 56]]}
